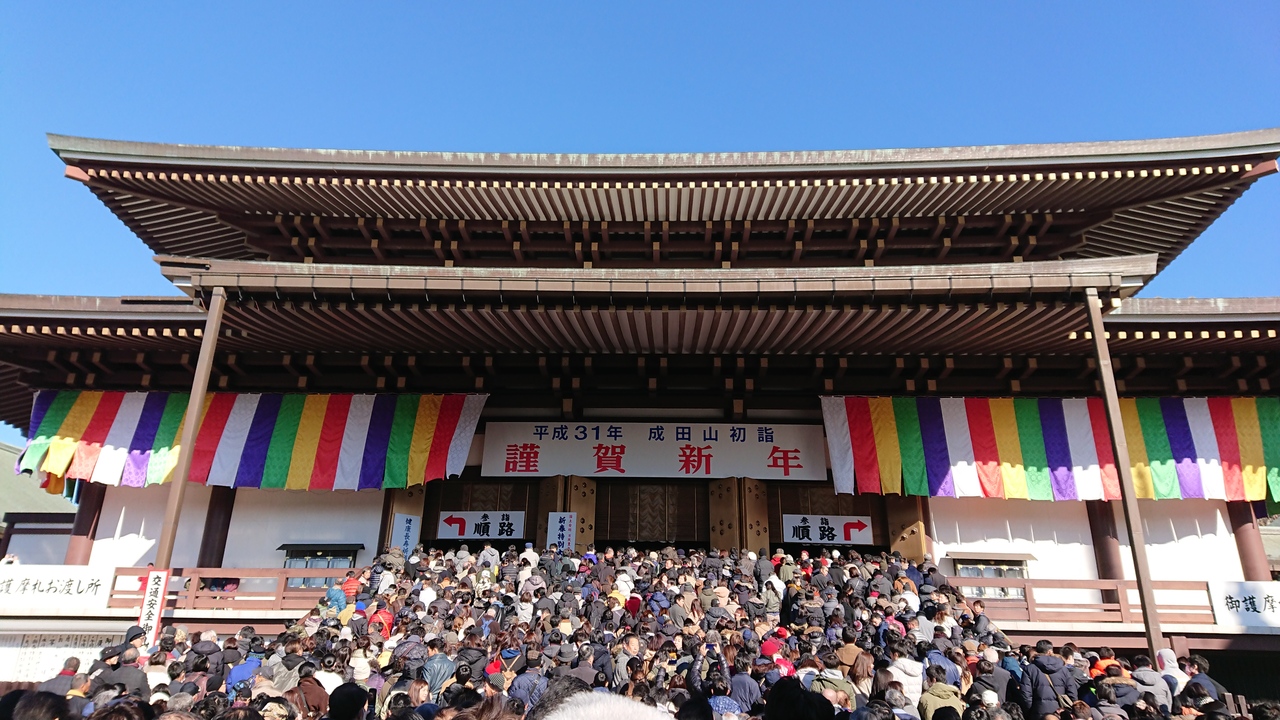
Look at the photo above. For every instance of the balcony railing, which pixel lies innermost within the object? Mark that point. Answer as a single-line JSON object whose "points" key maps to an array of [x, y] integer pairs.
{"points": [[241, 589], [1087, 601], [1025, 600]]}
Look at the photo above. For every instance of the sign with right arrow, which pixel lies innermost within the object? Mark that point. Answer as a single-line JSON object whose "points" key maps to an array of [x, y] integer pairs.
{"points": [[827, 529]]}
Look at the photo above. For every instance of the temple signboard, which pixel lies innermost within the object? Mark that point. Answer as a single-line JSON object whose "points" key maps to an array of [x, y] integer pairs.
{"points": [[657, 450], [42, 589], [1248, 604]]}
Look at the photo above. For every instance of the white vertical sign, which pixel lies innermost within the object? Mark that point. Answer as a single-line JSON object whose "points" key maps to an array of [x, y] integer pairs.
{"points": [[152, 610], [562, 529], [407, 529]]}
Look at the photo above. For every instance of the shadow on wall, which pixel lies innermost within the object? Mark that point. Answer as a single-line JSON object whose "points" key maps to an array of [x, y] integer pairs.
{"points": [[964, 521], [1169, 521]]}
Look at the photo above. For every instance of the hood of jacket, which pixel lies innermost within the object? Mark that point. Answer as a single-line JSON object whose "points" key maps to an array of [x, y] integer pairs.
{"points": [[914, 668], [1049, 664], [206, 647], [1146, 677], [943, 690]]}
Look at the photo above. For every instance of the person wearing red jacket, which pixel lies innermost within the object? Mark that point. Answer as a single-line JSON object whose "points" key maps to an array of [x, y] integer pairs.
{"points": [[384, 618]]}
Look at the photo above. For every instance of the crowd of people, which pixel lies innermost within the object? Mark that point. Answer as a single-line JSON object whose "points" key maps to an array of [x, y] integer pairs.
{"points": [[501, 634]]}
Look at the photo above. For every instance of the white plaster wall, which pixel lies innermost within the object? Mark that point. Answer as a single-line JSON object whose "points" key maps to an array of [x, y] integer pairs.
{"points": [[1056, 534], [131, 520], [265, 519], [1186, 540]]}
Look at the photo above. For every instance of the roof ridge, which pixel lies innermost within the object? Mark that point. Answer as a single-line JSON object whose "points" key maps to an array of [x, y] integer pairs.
{"points": [[1264, 141]]}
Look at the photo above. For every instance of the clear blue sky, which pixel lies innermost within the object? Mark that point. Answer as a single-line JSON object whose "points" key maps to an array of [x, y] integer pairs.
{"points": [[604, 77]]}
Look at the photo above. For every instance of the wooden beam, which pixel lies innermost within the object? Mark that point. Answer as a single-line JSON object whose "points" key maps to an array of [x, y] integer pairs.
{"points": [[199, 385], [374, 245], [1128, 495], [289, 236], [938, 228], [432, 243]]}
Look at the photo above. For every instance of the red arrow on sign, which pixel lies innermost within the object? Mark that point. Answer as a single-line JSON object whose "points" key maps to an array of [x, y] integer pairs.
{"points": [[849, 528], [461, 524]]}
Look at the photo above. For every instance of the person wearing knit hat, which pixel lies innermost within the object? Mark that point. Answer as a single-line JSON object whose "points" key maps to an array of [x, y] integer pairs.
{"points": [[495, 684], [770, 647]]}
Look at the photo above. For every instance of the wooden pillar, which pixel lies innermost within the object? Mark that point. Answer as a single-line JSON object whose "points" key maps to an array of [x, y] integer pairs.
{"points": [[907, 518], [191, 424], [581, 499], [402, 501], [217, 523], [755, 515], [723, 513], [1106, 544], [1244, 527], [85, 526], [551, 498], [1128, 496]]}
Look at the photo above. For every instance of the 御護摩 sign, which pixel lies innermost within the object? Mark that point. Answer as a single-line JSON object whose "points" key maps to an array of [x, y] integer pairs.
{"points": [[1246, 603], [656, 450], [827, 529], [484, 525]]}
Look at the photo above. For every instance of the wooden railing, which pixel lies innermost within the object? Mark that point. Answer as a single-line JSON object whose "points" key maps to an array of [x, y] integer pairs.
{"points": [[1086, 601], [244, 589], [1044, 601]]}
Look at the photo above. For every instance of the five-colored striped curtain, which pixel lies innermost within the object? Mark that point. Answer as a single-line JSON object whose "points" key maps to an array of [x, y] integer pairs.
{"points": [[288, 441], [1053, 448]]}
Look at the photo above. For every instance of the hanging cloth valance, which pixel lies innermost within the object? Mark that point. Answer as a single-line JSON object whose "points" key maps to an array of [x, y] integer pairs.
{"points": [[1053, 448], [292, 442]]}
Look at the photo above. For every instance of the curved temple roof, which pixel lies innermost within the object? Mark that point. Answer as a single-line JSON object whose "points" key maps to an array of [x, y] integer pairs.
{"points": [[1240, 144], [701, 210]]}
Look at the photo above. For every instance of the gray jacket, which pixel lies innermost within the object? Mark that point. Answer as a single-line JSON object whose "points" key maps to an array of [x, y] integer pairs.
{"points": [[1150, 681]]}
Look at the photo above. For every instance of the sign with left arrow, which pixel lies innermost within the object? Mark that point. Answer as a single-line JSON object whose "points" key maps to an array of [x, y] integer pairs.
{"points": [[827, 529], [485, 524]]}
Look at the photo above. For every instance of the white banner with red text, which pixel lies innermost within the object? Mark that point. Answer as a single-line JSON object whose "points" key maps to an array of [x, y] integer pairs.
{"points": [[152, 608], [655, 450], [827, 529], [484, 525]]}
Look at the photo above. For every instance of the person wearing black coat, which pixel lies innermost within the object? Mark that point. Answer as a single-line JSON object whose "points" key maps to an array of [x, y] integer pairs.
{"points": [[1043, 680], [990, 677], [764, 567], [473, 655], [131, 676]]}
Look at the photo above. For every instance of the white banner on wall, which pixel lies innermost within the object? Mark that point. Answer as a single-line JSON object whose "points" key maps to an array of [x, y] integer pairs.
{"points": [[1243, 603], [656, 450], [406, 530], [56, 589], [487, 525], [562, 529], [827, 529]]}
